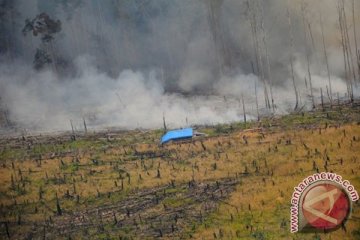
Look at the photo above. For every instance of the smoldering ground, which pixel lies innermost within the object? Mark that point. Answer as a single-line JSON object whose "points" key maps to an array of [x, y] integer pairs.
{"points": [[134, 99], [128, 63]]}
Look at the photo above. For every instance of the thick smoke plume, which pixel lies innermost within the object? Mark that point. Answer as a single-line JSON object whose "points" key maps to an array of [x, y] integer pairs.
{"points": [[128, 63]]}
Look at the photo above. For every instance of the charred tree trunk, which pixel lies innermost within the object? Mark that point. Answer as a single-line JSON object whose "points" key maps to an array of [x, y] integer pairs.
{"points": [[164, 122], [85, 127], [243, 104]]}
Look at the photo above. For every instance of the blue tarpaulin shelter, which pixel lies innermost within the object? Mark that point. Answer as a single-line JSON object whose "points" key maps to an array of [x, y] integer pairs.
{"points": [[178, 134]]}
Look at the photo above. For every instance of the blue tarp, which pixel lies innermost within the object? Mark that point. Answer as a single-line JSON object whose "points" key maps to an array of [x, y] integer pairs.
{"points": [[177, 135]]}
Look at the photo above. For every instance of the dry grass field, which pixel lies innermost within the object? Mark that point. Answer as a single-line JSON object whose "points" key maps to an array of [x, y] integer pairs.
{"points": [[236, 183]]}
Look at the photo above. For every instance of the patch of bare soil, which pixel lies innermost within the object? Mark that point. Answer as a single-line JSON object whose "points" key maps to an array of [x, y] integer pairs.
{"points": [[163, 212]]}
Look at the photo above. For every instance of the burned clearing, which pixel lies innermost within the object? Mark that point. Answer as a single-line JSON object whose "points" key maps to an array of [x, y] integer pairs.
{"points": [[182, 119], [234, 183]]}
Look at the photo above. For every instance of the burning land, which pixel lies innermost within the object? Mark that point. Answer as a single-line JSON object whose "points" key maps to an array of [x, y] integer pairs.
{"points": [[233, 183], [182, 119]]}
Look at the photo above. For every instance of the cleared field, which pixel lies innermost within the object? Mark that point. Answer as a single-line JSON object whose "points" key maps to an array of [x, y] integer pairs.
{"points": [[234, 184]]}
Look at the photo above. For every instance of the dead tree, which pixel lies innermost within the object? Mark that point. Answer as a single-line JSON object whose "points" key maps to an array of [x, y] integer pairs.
{"points": [[357, 50], [322, 99], [346, 49], [254, 24], [269, 77], [326, 58], [7, 229], [350, 54], [73, 137], [164, 122], [243, 104], [291, 60], [222, 53], [58, 208], [85, 127], [257, 104], [307, 50]]}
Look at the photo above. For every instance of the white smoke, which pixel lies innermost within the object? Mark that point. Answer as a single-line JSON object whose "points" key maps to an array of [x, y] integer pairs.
{"points": [[39, 100], [132, 65]]}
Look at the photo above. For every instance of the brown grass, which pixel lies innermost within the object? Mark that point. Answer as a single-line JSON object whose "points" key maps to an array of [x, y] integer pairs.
{"points": [[275, 159]]}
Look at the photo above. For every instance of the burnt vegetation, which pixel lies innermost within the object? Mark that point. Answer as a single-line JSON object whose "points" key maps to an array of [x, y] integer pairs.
{"points": [[125, 185]]}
